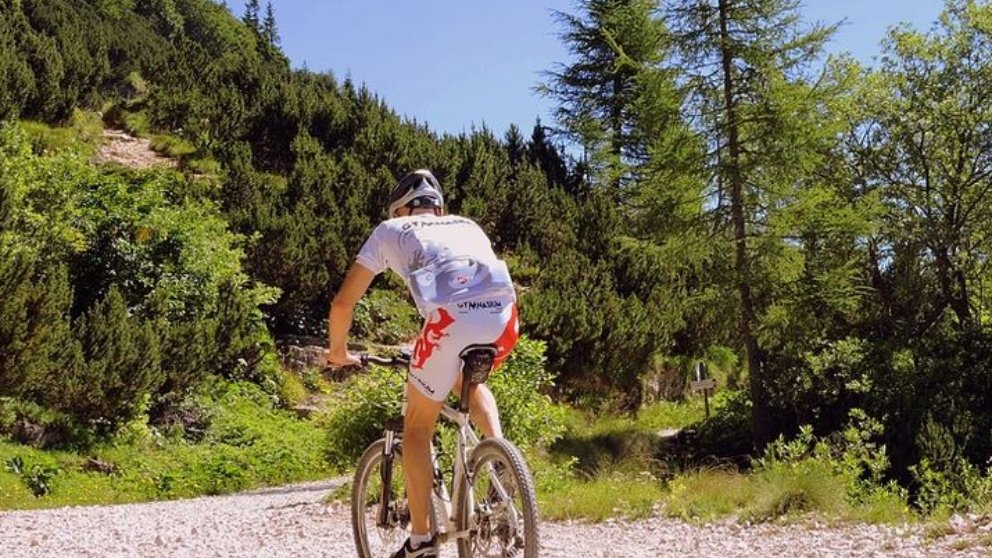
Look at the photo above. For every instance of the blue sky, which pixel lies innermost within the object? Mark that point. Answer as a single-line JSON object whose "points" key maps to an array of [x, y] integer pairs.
{"points": [[455, 64]]}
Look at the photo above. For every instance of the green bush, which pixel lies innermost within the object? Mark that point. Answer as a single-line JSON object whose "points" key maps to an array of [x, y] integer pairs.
{"points": [[529, 418], [36, 476], [955, 487], [528, 415], [386, 317], [359, 412], [117, 369]]}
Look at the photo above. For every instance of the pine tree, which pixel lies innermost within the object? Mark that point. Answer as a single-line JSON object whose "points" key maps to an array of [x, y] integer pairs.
{"points": [[121, 369], [251, 17], [269, 30], [747, 61], [614, 42]]}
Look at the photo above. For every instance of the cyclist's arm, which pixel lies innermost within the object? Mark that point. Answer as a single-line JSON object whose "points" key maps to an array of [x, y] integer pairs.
{"points": [[356, 282]]}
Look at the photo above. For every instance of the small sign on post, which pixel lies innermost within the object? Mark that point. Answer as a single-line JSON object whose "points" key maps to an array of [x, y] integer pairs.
{"points": [[700, 385], [703, 384]]}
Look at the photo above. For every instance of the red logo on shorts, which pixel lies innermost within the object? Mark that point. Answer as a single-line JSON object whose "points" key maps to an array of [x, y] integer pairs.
{"points": [[430, 337]]}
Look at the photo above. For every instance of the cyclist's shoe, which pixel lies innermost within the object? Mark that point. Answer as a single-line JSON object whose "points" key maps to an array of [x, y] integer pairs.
{"points": [[426, 550]]}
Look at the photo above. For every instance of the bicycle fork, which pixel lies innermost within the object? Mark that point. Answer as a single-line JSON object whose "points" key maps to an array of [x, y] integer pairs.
{"points": [[386, 476]]}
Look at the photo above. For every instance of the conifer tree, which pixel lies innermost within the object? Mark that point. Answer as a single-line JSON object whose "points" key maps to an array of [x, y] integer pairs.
{"points": [[747, 61], [614, 43], [269, 30], [251, 17]]}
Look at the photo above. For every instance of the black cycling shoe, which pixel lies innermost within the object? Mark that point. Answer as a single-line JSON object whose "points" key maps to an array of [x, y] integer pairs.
{"points": [[426, 550]]}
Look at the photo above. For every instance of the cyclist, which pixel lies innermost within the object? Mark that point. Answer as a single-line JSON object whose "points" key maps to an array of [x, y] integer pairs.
{"points": [[465, 295]]}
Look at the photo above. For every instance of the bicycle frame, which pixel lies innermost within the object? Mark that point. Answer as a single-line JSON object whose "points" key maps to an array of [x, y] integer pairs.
{"points": [[446, 516]]}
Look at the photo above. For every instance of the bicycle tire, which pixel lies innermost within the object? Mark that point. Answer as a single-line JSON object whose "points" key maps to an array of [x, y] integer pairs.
{"points": [[365, 490], [484, 512]]}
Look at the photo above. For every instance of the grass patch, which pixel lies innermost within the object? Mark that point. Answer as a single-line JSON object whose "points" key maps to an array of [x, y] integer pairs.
{"points": [[204, 166], [249, 443], [962, 544], [622, 441], [603, 497], [81, 134], [789, 490], [783, 491], [172, 146], [709, 494], [937, 530]]}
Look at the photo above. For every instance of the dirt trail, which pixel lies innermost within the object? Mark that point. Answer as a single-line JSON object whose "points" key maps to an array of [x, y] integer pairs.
{"points": [[125, 149], [295, 522]]}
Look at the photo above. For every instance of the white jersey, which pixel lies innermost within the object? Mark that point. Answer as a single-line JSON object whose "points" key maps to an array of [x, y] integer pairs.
{"points": [[443, 259]]}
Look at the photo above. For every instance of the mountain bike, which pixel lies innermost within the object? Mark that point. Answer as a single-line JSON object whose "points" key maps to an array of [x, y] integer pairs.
{"points": [[489, 508]]}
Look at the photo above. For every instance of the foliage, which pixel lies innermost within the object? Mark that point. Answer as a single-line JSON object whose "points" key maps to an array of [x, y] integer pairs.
{"points": [[527, 414], [385, 317], [248, 443], [838, 477], [37, 476], [825, 222], [120, 288], [359, 413], [361, 408]]}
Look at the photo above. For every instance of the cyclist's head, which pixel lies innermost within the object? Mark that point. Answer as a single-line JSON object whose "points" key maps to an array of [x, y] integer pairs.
{"points": [[418, 189]]}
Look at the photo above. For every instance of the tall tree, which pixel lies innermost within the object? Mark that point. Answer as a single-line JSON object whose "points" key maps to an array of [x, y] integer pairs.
{"points": [[614, 42], [748, 63], [926, 146], [251, 17], [269, 31]]}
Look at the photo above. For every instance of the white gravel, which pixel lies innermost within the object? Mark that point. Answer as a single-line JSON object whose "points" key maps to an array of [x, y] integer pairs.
{"points": [[295, 522]]}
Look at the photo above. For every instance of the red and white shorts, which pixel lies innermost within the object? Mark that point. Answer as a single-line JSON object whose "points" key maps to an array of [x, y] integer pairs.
{"points": [[435, 364]]}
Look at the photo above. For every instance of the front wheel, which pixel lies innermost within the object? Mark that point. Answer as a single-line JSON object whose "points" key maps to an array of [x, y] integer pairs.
{"points": [[380, 515], [498, 506]]}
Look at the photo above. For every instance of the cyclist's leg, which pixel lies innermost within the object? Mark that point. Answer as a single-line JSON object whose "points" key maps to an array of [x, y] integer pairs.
{"points": [[483, 409], [418, 429]]}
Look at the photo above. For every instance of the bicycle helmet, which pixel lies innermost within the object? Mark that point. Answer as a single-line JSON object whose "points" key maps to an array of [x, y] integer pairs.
{"points": [[417, 189]]}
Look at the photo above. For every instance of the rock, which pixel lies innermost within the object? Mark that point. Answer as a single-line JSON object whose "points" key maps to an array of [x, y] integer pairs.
{"points": [[298, 358], [95, 465], [305, 411], [27, 432]]}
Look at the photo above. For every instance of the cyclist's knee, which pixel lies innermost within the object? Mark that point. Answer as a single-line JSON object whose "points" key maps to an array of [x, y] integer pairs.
{"points": [[421, 414]]}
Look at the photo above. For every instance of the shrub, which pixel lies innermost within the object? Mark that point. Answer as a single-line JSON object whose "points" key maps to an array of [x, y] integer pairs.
{"points": [[116, 370], [385, 316], [529, 418], [359, 412], [954, 487], [528, 415], [37, 477]]}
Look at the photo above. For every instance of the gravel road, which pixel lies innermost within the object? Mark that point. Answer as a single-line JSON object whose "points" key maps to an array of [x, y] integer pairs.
{"points": [[295, 522]]}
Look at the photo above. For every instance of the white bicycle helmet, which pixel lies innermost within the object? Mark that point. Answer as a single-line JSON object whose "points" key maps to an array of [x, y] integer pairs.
{"points": [[417, 189]]}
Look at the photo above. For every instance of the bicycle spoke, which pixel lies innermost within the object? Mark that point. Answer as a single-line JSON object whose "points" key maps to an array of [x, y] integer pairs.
{"points": [[374, 539], [503, 514]]}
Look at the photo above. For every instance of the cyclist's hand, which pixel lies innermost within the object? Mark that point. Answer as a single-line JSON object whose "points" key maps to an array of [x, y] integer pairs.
{"points": [[343, 361]]}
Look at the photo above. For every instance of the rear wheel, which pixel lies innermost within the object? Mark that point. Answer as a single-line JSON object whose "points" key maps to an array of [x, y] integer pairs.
{"points": [[380, 519], [498, 507]]}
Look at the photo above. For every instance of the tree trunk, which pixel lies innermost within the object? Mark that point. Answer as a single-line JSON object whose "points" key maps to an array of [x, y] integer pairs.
{"points": [[953, 288], [756, 381]]}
